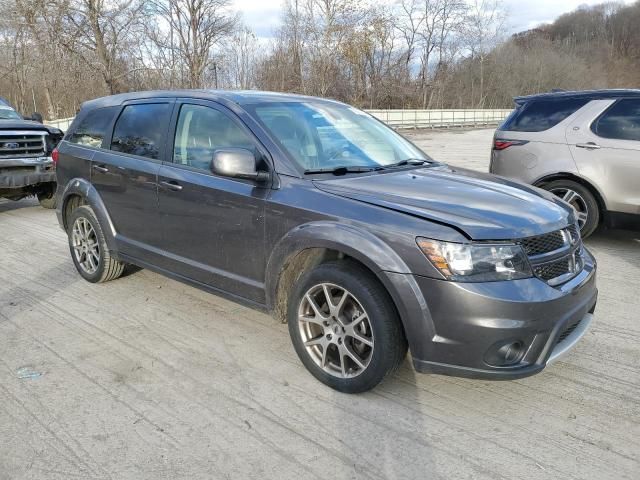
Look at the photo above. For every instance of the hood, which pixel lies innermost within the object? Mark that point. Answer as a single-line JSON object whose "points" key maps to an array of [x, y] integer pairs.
{"points": [[27, 125], [482, 206]]}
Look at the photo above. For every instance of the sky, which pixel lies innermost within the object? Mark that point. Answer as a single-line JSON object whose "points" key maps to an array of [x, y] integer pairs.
{"points": [[263, 16]]}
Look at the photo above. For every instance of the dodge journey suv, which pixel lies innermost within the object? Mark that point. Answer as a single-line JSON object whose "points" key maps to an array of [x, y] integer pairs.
{"points": [[582, 146], [315, 211]]}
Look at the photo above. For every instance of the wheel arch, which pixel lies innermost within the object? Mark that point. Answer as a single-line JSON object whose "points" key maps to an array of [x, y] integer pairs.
{"points": [[80, 191], [312, 244], [578, 179]]}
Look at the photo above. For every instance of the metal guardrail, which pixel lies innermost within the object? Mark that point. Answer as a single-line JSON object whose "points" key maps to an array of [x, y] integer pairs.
{"points": [[440, 118], [404, 118], [61, 123]]}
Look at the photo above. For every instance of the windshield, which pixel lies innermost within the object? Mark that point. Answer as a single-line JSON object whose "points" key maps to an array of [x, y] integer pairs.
{"points": [[320, 135], [8, 113]]}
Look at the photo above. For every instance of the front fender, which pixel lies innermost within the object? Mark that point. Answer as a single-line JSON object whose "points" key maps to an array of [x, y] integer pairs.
{"points": [[371, 251], [348, 239], [84, 189]]}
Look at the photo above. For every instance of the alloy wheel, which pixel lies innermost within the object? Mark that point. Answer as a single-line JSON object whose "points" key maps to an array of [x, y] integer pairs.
{"points": [[576, 200], [336, 330], [85, 245]]}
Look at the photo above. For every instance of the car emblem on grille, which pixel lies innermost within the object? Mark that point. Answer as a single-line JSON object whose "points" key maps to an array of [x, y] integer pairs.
{"points": [[568, 237], [11, 145]]}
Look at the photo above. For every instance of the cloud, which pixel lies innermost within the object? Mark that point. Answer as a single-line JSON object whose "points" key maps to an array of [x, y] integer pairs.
{"points": [[263, 16]]}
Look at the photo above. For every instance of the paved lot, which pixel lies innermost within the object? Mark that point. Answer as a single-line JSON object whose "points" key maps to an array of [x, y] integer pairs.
{"points": [[146, 378]]}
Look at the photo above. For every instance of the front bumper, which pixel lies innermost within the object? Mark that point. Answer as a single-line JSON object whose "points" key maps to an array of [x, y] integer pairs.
{"points": [[16, 173], [451, 327]]}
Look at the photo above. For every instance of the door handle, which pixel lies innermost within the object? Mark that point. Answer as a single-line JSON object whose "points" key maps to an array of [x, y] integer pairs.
{"points": [[175, 186], [588, 145], [100, 168]]}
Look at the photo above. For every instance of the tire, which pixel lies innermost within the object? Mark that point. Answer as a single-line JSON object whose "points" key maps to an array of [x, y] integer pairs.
{"points": [[367, 326], [581, 198], [47, 198], [94, 262]]}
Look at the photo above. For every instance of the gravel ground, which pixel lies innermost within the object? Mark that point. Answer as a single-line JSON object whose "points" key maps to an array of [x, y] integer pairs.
{"points": [[146, 378]]}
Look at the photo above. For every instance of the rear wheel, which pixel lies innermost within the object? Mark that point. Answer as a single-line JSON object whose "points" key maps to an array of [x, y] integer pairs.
{"points": [[582, 201], [344, 327], [88, 248]]}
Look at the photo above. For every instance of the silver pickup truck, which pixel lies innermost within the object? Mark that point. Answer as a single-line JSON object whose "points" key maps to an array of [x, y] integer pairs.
{"points": [[26, 167]]}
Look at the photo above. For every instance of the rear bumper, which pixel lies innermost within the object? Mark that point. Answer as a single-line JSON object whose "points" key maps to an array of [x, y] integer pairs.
{"points": [[454, 328]]}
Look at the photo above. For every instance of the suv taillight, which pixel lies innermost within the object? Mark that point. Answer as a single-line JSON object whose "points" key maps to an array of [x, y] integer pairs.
{"points": [[54, 156], [502, 144]]}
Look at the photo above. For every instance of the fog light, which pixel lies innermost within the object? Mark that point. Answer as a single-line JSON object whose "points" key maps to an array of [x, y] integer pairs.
{"points": [[503, 354]]}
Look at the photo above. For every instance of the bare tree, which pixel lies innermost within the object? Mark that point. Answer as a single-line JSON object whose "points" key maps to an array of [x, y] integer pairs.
{"points": [[195, 28]]}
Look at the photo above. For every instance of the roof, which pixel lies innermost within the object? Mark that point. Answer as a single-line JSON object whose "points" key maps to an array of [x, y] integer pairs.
{"points": [[239, 97], [580, 94]]}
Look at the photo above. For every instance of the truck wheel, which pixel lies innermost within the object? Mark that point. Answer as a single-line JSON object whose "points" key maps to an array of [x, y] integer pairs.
{"points": [[581, 199], [47, 199], [345, 328], [88, 248]]}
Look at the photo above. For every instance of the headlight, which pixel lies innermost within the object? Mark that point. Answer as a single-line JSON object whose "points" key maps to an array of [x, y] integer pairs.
{"points": [[469, 262]]}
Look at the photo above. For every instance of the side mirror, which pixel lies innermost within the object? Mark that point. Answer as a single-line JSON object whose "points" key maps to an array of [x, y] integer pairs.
{"points": [[237, 163], [35, 116]]}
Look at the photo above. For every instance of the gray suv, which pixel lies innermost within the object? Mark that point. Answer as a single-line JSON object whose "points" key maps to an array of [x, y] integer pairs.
{"points": [[316, 212], [582, 146]]}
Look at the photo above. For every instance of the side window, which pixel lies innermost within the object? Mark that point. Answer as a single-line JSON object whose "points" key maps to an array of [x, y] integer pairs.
{"points": [[141, 129], [200, 131], [621, 121], [93, 127], [541, 115]]}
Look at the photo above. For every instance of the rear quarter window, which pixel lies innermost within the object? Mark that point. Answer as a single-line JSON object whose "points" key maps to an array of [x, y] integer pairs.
{"points": [[541, 115], [93, 127]]}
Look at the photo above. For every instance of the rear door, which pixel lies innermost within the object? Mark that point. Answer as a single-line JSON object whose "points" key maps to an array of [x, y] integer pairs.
{"points": [[607, 152], [80, 144], [213, 225], [126, 174]]}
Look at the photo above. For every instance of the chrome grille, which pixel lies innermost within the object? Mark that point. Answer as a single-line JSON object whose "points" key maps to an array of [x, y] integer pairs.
{"points": [[555, 257], [21, 144]]}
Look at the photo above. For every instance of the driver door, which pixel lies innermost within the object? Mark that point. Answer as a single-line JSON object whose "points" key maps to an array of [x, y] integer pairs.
{"points": [[213, 226]]}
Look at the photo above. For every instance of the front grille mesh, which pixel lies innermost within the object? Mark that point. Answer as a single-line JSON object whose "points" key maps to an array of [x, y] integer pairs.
{"points": [[543, 243], [549, 271], [14, 145]]}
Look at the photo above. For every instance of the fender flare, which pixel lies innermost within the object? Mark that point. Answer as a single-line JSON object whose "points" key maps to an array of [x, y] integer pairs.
{"points": [[341, 237], [84, 188]]}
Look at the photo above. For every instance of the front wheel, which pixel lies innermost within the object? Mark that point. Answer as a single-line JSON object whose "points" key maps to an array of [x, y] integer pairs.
{"points": [[344, 327]]}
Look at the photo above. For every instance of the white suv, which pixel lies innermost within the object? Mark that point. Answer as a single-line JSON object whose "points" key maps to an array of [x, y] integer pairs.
{"points": [[582, 146]]}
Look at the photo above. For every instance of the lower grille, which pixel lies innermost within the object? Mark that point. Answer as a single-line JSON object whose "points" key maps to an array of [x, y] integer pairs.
{"points": [[568, 331], [552, 270], [14, 144]]}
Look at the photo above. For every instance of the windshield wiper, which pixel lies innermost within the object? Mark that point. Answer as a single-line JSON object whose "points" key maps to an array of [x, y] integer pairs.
{"points": [[341, 170], [410, 161]]}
